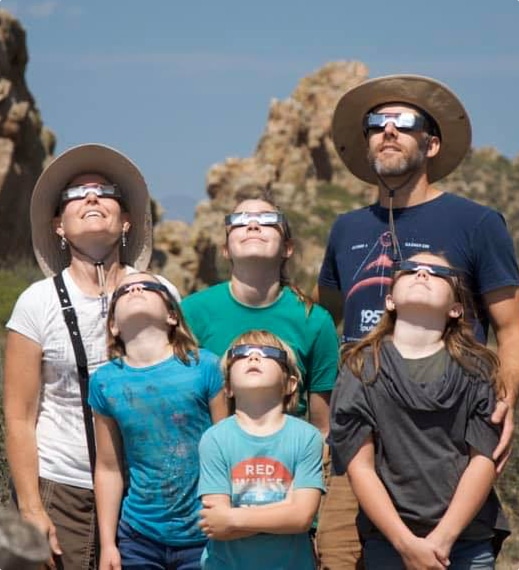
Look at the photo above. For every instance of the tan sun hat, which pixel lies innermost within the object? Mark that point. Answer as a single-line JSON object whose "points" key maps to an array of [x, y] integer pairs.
{"points": [[117, 169], [425, 93]]}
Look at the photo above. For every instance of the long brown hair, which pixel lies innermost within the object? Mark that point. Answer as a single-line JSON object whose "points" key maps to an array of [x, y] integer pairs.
{"points": [[265, 194], [264, 338], [180, 336], [458, 336]]}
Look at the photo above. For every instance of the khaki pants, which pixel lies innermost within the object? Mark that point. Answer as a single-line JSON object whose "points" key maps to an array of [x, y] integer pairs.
{"points": [[338, 543], [71, 509]]}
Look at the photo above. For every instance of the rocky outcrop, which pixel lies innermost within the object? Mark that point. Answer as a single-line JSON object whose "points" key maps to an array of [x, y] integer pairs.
{"points": [[25, 144], [294, 158]]}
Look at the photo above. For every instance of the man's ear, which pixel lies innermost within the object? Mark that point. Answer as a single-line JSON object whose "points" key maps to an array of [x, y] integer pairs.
{"points": [[390, 304], [433, 146], [456, 311]]}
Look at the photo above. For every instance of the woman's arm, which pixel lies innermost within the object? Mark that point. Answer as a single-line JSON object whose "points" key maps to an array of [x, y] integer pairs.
{"points": [[22, 383], [293, 515], [218, 407], [375, 501], [109, 486], [470, 495]]}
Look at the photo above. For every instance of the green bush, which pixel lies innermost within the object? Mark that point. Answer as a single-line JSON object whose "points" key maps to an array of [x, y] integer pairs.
{"points": [[12, 283]]}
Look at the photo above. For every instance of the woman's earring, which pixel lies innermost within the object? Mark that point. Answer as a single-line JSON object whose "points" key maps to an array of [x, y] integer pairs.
{"points": [[63, 243], [124, 239]]}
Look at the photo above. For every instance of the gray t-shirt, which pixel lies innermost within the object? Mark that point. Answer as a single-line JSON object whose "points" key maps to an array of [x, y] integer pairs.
{"points": [[428, 368], [423, 433]]}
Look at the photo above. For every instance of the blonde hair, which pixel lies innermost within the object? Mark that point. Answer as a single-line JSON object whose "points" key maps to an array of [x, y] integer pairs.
{"points": [[458, 336], [180, 336], [263, 338]]}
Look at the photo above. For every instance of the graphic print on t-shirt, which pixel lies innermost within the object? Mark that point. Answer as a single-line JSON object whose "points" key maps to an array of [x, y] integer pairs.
{"points": [[259, 481], [368, 286]]}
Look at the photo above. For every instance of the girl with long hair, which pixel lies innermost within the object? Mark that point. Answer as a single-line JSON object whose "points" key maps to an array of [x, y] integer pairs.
{"points": [[411, 427], [261, 295], [152, 402]]}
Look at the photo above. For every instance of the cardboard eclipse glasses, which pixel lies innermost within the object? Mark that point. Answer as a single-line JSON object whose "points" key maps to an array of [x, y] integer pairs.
{"points": [[237, 219], [265, 351], [83, 190], [415, 266]]}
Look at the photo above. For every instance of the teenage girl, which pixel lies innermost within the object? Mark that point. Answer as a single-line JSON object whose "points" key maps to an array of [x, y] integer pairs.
{"points": [[262, 458], [152, 403], [411, 426]]}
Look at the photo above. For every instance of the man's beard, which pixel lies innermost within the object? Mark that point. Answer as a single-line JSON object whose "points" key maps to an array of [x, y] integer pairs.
{"points": [[400, 164]]}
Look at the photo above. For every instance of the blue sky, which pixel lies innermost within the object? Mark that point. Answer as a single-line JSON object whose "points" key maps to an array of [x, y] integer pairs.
{"points": [[179, 86]]}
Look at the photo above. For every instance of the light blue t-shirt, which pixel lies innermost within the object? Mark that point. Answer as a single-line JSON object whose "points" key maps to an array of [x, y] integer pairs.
{"points": [[258, 470], [162, 412]]}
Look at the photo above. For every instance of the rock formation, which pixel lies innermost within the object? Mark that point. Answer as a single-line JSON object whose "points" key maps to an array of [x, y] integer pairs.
{"points": [[296, 159], [25, 144]]}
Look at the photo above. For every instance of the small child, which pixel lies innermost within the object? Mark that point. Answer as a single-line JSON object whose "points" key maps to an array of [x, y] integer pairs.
{"points": [[411, 426], [261, 458], [152, 403]]}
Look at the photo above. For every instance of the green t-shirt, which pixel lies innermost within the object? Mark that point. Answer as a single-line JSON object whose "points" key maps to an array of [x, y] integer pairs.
{"points": [[217, 318]]}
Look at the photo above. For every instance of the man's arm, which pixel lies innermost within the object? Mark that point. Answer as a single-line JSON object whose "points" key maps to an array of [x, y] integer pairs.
{"points": [[331, 300], [503, 308]]}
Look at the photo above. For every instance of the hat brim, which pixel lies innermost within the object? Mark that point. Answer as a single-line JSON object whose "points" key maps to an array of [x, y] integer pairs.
{"points": [[423, 92], [117, 169]]}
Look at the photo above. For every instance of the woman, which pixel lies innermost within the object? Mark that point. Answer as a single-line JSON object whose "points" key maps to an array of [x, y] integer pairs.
{"points": [[260, 296], [91, 224]]}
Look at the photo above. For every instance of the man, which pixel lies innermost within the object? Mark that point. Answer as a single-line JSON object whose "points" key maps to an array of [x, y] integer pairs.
{"points": [[403, 133]]}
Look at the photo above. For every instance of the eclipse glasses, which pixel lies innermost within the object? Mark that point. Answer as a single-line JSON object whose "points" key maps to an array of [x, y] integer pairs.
{"points": [[142, 286], [415, 266], [245, 350], [83, 190], [402, 121], [237, 219]]}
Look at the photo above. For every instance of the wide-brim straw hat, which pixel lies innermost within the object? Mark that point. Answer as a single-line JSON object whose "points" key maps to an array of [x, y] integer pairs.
{"points": [[116, 168], [425, 93]]}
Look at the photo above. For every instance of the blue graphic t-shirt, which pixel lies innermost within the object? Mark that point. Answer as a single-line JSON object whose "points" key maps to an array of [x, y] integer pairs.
{"points": [[258, 470], [359, 254], [162, 412]]}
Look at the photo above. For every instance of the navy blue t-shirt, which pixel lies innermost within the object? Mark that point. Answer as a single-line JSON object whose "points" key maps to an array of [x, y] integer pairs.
{"points": [[359, 254]]}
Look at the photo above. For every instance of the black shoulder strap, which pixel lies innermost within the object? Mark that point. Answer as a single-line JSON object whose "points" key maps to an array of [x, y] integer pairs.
{"points": [[69, 314]]}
